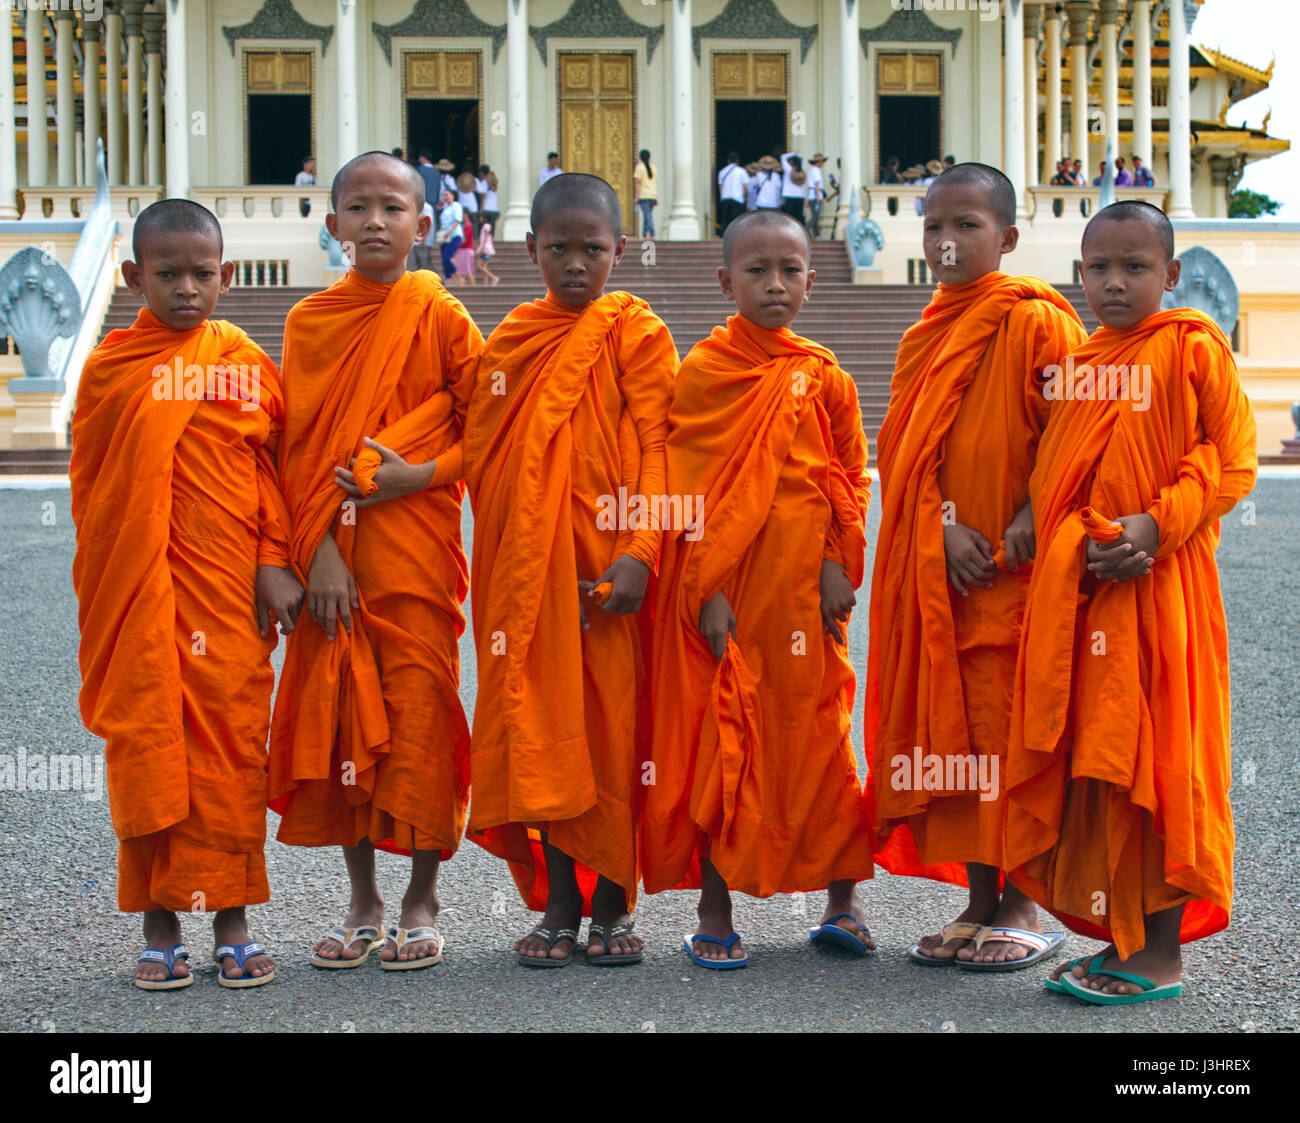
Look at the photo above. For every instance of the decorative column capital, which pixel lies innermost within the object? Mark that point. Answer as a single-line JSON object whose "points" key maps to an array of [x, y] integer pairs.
{"points": [[91, 29], [63, 14], [1109, 12], [1033, 14], [154, 22], [1078, 11], [132, 16]]}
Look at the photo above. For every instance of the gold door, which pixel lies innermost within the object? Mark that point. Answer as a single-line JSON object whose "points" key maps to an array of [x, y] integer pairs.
{"points": [[598, 119]]}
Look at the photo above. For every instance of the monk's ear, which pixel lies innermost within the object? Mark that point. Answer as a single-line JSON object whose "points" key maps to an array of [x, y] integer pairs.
{"points": [[1173, 271], [619, 247], [422, 227], [1010, 239], [724, 282], [227, 277], [530, 239], [332, 225], [812, 274], [133, 277]]}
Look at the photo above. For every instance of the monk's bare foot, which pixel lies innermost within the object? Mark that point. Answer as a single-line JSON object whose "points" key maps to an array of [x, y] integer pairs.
{"points": [[842, 896], [363, 911], [230, 926], [715, 921], [417, 912], [608, 909], [162, 930], [1015, 910], [563, 910], [1160, 966], [1081, 971]]}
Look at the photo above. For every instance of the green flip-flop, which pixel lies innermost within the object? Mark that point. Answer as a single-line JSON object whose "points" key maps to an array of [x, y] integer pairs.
{"points": [[1150, 991], [1057, 985]]}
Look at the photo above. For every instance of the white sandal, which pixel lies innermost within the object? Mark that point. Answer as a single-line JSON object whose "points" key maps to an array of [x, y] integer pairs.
{"points": [[347, 937], [403, 936]]}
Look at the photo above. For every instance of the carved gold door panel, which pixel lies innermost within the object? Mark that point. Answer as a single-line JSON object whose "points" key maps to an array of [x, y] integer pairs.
{"points": [[442, 74], [597, 109], [750, 74]]}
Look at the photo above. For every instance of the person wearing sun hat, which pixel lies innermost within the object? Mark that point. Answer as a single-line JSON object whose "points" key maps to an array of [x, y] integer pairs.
{"points": [[769, 184], [816, 193]]}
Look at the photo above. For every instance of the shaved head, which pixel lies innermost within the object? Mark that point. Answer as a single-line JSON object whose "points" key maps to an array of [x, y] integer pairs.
{"points": [[574, 191], [390, 163], [996, 190], [1135, 211], [173, 216], [760, 222]]}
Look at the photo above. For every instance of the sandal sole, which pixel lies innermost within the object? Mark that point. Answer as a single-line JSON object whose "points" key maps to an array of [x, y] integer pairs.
{"points": [[164, 984]]}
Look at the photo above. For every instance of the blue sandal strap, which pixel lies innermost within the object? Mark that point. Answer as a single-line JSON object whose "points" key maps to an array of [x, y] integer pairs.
{"points": [[728, 943], [240, 952], [166, 956], [842, 916]]}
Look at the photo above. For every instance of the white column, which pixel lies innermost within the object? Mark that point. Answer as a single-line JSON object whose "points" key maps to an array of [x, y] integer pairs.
{"points": [[8, 121], [684, 220], [153, 33], [37, 107], [1142, 80], [1013, 92], [519, 183], [65, 95], [348, 136], [1180, 116], [850, 108], [1052, 80], [178, 110], [90, 33], [1077, 11], [132, 18], [116, 142], [1031, 93], [1110, 76]]}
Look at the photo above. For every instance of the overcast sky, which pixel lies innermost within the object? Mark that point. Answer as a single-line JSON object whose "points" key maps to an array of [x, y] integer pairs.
{"points": [[1254, 31]]}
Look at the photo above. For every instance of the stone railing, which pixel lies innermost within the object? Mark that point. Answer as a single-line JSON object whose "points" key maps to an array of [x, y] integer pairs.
{"points": [[1047, 203], [264, 202], [893, 200]]}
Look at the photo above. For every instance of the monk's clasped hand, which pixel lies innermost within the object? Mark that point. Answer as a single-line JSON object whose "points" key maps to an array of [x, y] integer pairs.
{"points": [[1019, 539], [717, 622], [628, 578], [394, 478], [838, 600], [969, 557], [331, 591], [278, 594], [1131, 555]]}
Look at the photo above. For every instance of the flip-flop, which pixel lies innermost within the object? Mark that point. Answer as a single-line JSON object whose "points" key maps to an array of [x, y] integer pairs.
{"points": [[347, 937], [689, 941], [605, 933], [240, 952], [167, 957], [1056, 985], [831, 933], [1043, 945], [1151, 992], [403, 936], [552, 936], [957, 930]]}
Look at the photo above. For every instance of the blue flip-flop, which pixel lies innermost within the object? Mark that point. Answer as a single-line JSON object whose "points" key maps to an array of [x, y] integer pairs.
{"points": [[167, 957], [831, 933], [688, 942], [239, 953], [1042, 945], [1150, 991]]}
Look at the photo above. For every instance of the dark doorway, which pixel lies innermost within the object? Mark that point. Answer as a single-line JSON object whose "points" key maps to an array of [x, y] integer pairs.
{"points": [[279, 136], [909, 129], [752, 127], [445, 127]]}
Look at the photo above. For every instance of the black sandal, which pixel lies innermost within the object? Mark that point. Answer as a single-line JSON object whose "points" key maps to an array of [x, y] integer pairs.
{"points": [[606, 933], [552, 936]]}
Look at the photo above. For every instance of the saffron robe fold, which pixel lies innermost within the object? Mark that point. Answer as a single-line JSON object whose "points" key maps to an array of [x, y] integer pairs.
{"points": [[569, 407], [1119, 767], [754, 750], [175, 503], [369, 738], [966, 409]]}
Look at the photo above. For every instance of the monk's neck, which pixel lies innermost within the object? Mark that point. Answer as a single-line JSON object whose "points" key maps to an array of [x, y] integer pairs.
{"points": [[982, 281], [554, 301], [382, 277]]}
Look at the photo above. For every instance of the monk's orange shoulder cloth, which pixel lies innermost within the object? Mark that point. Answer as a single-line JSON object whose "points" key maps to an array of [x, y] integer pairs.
{"points": [[753, 751], [172, 437], [369, 738], [1119, 764], [565, 431], [957, 444]]}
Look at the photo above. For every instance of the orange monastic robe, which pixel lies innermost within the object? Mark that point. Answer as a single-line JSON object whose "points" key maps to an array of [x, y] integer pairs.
{"points": [[569, 408], [754, 750], [965, 414], [1119, 767], [175, 503], [369, 738]]}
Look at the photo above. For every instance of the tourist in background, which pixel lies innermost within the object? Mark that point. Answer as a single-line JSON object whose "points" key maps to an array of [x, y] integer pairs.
{"points": [[733, 180], [816, 194], [794, 185], [645, 192]]}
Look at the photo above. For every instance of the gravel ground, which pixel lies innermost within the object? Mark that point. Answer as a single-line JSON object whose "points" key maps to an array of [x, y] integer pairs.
{"points": [[70, 952]]}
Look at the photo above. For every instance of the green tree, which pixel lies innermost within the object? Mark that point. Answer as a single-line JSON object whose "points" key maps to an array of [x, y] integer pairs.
{"points": [[1251, 204]]}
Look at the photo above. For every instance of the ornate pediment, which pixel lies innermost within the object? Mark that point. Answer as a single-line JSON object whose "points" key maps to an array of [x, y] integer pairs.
{"points": [[440, 17], [754, 19], [279, 19], [909, 26], [596, 19]]}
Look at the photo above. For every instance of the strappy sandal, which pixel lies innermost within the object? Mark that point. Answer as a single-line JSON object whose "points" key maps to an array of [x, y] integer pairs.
{"points": [[347, 937], [606, 933], [167, 957], [552, 936], [240, 952], [957, 930], [403, 936]]}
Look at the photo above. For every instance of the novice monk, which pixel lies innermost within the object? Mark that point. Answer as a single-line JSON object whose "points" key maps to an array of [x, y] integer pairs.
{"points": [[1119, 767], [181, 561], [369, 745], [755, 785], [952, 567], [568, 419]]}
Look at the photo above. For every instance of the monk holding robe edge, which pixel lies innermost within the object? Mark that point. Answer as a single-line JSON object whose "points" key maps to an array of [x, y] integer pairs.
{"points": [[1119, 768], [182, 561], [568, 418]]}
